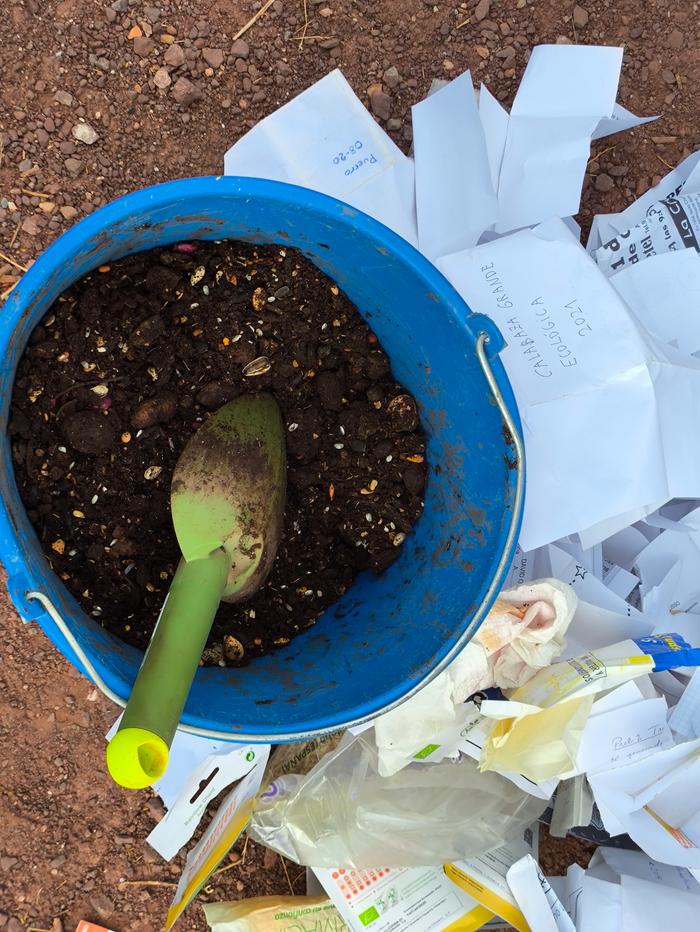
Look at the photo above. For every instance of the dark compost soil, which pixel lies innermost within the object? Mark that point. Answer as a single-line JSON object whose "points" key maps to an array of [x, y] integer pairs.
{"points": [[127, 364]]}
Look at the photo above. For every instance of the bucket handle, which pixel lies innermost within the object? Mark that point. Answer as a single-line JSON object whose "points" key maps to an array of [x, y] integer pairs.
{"points": [[518, 452], [519, 465]]}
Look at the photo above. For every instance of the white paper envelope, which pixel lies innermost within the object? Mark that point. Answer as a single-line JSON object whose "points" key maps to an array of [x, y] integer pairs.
{"points": [[649, 907], [663, 292], [623, 735], [655, 802], [326, 140]]}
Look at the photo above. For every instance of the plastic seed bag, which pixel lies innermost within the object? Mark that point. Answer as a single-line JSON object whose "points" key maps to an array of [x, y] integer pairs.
{"points": [[345, 814], [275, 914]]}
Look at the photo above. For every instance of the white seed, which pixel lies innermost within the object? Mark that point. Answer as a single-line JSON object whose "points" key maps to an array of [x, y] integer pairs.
{"points": [[292, 427], [152, 472], [205, 289], [368, 516], [258, 366], [93, 500], [399, 539], [339, 446]]}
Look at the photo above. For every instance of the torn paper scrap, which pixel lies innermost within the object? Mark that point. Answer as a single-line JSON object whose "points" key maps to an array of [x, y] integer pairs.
{"points": [[565, 92], [455, 199], [535, 897], [587, 585], [668, 225], [621, 119], [326, 140]]}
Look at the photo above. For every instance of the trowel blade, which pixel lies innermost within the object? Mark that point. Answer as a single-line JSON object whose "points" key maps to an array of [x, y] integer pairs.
{"points": [[228, 490]]}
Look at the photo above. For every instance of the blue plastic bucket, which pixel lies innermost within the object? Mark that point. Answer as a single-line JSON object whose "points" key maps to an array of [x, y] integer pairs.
{"points": [[388, 635]]}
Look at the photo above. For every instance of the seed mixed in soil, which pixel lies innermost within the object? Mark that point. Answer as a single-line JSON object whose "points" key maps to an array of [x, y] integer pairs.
{"points": [[133, 358]]}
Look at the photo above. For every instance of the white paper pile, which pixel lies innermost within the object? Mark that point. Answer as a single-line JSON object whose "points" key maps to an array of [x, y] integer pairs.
{"points": [[623, 890]]}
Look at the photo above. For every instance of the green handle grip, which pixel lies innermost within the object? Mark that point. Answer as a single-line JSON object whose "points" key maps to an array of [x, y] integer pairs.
{"points": [[138, 753]]}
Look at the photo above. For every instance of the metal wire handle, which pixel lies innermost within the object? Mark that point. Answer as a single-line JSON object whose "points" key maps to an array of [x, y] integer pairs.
{"points": [[519, 465]]}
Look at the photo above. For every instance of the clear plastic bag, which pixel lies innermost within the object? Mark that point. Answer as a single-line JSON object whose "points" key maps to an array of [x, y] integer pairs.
{"points": [[344, 814]]}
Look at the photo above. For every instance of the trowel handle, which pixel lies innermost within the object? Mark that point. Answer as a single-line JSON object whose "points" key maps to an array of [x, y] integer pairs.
{"points": [[137, 755]]}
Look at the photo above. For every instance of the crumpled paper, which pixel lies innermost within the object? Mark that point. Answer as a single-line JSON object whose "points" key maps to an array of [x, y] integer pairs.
{"points": [[522, 633]]}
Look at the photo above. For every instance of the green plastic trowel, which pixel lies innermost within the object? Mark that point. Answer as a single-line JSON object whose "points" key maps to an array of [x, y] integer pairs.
{"points": [[227, 499]]}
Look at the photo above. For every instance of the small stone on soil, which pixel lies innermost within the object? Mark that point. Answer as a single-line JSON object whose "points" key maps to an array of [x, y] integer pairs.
{"points": [[185, 92], [381, 105], [580, 17], [83, 132]]}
